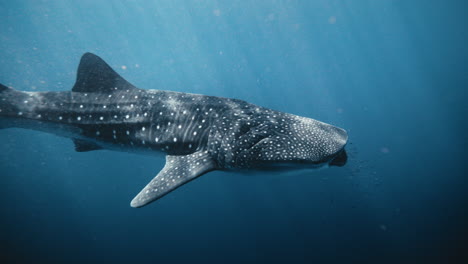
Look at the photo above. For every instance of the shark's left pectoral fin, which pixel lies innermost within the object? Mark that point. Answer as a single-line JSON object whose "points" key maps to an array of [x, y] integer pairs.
{"points": [[177, 171], [83, 145]]}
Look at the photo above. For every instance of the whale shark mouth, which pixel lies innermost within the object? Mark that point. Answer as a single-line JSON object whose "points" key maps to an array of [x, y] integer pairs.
{"points": [[340, 159]]}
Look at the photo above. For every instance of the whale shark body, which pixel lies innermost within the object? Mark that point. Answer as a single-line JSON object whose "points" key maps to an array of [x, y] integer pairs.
{"points": [[197, 133]]}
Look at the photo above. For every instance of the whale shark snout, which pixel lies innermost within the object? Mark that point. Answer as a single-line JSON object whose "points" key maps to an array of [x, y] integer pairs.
{"points": [[319, 142], [334, 142]]}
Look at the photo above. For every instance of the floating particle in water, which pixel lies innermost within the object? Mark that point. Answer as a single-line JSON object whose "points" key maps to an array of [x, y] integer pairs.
{"points": [[123, 67], [332, 20], [271, 17], [384, 150]]}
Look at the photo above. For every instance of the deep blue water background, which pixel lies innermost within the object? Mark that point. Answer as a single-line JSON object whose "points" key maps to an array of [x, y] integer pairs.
{"points": [[392, 73]]}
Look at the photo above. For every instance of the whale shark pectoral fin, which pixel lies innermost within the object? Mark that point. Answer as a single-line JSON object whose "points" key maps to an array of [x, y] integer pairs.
{"points": [[177, 171], [83, 145], [95, 75]]}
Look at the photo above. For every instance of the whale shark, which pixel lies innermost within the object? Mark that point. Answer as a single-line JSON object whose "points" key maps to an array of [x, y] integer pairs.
{"points": [[196, 133]]}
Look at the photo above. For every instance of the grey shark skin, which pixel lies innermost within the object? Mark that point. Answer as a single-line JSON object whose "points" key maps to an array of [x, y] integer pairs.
{"points": [[197, 133]]}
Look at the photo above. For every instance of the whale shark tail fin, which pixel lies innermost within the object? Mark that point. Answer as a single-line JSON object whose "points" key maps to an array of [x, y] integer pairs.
{"points": [[7, 107], [96, 76], [10, 102], [177, 171], [3, 88], [15, 106], [3, 100]]}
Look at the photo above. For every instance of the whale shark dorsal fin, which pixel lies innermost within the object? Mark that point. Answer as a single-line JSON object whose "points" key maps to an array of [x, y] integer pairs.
{"points": [[177, 171], [95, 75]]}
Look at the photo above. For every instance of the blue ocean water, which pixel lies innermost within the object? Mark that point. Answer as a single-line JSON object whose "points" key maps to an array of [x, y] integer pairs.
{"points": [[391, 72]]}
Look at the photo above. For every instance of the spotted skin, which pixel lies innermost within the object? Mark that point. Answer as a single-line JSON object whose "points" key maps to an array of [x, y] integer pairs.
{"points": [[177, 171], [198, 133]]}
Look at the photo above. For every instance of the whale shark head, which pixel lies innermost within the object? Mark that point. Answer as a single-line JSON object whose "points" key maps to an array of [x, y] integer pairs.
{"points": [[290, 140]]}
